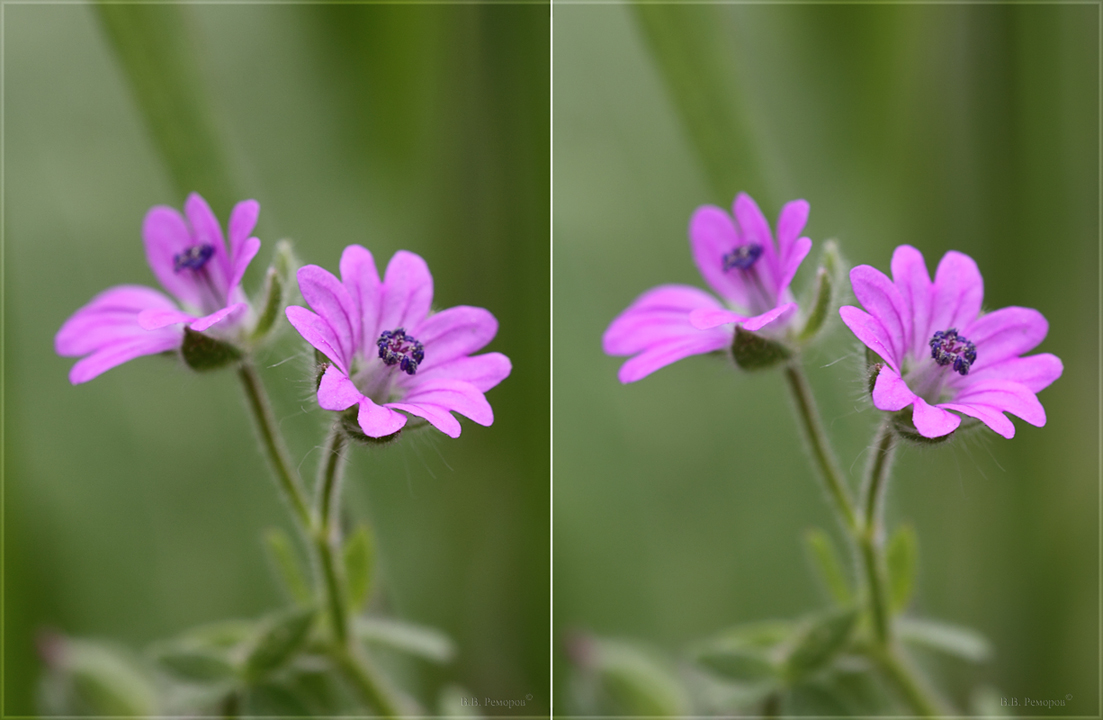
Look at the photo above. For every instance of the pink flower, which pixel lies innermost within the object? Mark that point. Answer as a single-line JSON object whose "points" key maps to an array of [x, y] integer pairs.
{"points": [[941, 353], [739, 260], [191, 260], [388, 353]]}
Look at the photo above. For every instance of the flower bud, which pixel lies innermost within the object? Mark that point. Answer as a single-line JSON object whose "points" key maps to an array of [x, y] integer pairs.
{"points": [[278, 285]]}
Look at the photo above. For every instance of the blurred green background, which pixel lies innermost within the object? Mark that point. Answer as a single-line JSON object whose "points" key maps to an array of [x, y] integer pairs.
{"points": [[135, 504], [680, 500]]}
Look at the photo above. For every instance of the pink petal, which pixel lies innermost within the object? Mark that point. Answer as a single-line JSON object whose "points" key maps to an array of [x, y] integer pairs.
{"points": [[791, 262], [756, 229], [407, 292], [377, 421], [157, 319], [659, 315], [890, 392], [453, 333], [708, 318], [243, 220], [932, 422], [778, 315], [329, 298], [110, 316], [1006, 396], [1035, 372], [790, 222], [881, 298], [336, 391], [664, 353], [438, 417], [318, 333], [115, 354], [870, 332], [207, 231], [455, 396], [909, 274], [166, 235], [1005, 333], [990, 416], [361, 279], [482, 371], [242, 257], [712, 235], [957, 293], [231, 313]]}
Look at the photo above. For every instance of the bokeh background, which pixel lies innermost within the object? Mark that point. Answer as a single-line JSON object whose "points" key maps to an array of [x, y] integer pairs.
{"points": [[134, 505], [680, 501]]}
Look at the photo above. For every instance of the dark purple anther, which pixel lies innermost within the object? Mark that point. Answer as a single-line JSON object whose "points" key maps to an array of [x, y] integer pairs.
{"points": [[743, 257], [947, 348], [398, 348], [194, 258]]}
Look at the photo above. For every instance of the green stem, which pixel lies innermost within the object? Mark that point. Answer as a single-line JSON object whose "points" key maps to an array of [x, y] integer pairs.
{"points": [[325, 535], [362, 674], [821, 447], [273, 443], [874, 489], [909, 684]]}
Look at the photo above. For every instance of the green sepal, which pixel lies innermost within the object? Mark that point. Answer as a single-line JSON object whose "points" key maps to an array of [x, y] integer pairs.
{"points": [[820, 304], [287, 567], [417, 640], [278, 282], [901, 558], [825, 559], [961, 642], [203, 352], [756, 352], [821, 638], [281, 636], [351, 427], [905, 429], [359, 557]]}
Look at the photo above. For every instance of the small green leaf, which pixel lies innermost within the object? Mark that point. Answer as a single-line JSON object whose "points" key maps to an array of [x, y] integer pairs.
{"points": [[762, 634], [270, 700], [756, 352], [813, 700], [741, 664], [823, 637], [901, 556], [281, 636], [92, 678], [202, 352], [226, 634], [285, 562], [820, 304], [418, 640], [359, 563], [826, 560], [955, 640], [196, 665], [633, 681]]}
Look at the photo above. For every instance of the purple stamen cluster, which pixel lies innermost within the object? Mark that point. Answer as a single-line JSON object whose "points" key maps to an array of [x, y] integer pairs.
{"points": [[194, 258], [398, 348], [948, 347], [743, 257]]}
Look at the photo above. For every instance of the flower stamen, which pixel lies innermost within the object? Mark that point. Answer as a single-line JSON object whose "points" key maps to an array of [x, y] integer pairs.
{"points": [[743, 257], [398, 348], [194, 258], [947, 347]]}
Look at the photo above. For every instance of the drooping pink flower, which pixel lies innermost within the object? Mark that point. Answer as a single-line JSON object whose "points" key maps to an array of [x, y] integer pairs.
{"points": [[741, 263], [191, 260], [941, 353], [388, 353]]}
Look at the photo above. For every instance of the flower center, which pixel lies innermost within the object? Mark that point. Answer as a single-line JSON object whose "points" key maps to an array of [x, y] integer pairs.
{"points": [[194, 258], [398, 348], [949, 348], [743, 257]]}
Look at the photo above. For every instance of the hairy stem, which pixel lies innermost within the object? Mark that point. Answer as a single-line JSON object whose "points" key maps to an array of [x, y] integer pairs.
{"points": [[325, 535], [821, 448], [870, 540]]}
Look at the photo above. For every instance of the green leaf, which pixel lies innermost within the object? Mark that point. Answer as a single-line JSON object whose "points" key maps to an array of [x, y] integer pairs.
{"points": [[762, 634], [226, 634], [203, 352], [92, 678], [270, 700], [955, 640], [741, 664], [826, 560], [819, 640], [634, 681], [813, 700], [196, 664], [285, 562], [359, 562], [418, 640], [901, 557], [281, 636], [756, 352]]}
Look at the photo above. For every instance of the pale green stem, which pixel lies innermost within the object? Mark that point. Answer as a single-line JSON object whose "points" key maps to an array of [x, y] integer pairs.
{"points": [[870, 540]]}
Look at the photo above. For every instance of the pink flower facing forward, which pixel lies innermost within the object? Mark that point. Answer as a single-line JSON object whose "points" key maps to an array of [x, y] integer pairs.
{"points": [[190, 259], [388, 353], [739, 260], [941, 353]]}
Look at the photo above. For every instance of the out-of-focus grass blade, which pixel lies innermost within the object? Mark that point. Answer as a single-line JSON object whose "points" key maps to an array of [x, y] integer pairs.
{"points": [[154, 45], [693, 54]]}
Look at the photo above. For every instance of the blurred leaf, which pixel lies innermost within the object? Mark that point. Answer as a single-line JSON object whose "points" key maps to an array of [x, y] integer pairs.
{"points": [[743, 664], [225, 634], [953, 640], [93, 678], [270, 700], [285, 561], [986, 701], [359, 561], [822, 551], [819, 641], [424, 642], [813, 700], [280, 638], [901, 557], [196, 664], [619, 678], [453, 702], [763, 634]]}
